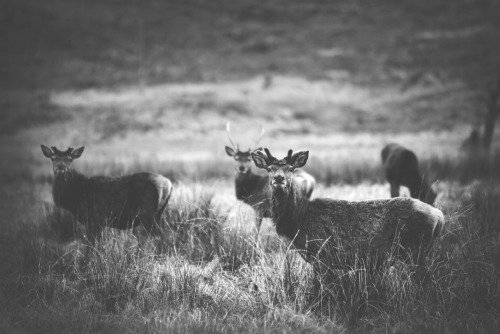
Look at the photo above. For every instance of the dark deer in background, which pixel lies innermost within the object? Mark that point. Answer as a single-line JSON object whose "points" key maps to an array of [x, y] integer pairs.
{"points": [[475, 143], [320, 227], [401, 169], [100, 201], [253, 189]]}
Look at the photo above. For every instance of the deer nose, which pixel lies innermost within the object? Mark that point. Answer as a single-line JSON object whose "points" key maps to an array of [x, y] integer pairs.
{"points": [[241, 168], [59, 170], [279, 179]]}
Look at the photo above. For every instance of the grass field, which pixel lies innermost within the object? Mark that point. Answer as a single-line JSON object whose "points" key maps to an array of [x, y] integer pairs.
{"points": [[150, 86]]}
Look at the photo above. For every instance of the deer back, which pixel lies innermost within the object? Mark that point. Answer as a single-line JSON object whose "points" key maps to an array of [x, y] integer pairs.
{"points": [[305, 182], [366, 225]]}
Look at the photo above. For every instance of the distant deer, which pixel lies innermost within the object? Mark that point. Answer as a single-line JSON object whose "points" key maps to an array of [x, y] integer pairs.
{"points": [[401, 169], [317, 227], [100, 201], [253, 189]]}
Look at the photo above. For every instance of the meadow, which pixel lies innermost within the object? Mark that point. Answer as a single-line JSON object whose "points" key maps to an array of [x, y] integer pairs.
{"points": [[150, 87], [212, 276]]}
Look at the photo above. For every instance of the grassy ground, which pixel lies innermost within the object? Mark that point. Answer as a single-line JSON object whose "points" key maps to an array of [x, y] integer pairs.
{"points": [[151, 86], [212, 277]]}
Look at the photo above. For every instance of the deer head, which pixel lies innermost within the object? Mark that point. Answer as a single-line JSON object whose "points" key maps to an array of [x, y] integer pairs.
{"points": [[242, 158], [62, 160], [280, 170]]}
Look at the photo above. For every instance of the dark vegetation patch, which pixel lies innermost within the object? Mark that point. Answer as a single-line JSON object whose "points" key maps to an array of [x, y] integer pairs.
{"points": [[61, 45]]}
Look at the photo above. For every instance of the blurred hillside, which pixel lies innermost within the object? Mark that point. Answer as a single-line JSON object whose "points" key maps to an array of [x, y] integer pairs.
{"points": [[396, 65]]}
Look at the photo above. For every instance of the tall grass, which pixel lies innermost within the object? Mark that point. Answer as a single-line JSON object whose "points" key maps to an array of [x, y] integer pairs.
{"points": [[204, 267], [211, 276], [193, 224]]}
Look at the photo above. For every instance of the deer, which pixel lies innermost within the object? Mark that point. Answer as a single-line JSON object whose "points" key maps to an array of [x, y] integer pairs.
{"points": [[253, 189], [122, 202], [321, 227], [401, 169]]}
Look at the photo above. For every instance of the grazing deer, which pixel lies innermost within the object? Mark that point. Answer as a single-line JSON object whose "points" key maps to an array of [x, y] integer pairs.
{"points": [[401, 169], [318, 228], [253, 189], [100, 201]]}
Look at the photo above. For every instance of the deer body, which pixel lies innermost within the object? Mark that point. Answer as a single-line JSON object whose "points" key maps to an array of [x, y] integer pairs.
{"points": [[319, 228], [118, 202], [401, 169], [253, 190]]}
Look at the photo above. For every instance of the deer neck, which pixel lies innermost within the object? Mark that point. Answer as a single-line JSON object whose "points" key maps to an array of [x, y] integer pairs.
{"points": [[246, 183], [288, 208], [68, 189]]}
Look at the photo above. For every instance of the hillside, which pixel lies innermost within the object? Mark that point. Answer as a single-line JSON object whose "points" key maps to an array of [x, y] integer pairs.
{"points": [[349, 65]]}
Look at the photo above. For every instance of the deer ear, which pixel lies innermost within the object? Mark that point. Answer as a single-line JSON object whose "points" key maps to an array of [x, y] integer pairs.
{"points": [[230, 151], [259, 159], [47, 151], [77, 153], [300, 158]]}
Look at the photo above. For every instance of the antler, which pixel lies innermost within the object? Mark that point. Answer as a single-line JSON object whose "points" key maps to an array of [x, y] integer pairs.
{"points": [[58, 152], [262, 131], [269, 155], [228, 129], [286, 160]]}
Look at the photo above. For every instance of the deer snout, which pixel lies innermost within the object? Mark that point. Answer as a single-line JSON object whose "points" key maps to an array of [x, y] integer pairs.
{"points": [[279, 181], [60, 169], [241, 169]]}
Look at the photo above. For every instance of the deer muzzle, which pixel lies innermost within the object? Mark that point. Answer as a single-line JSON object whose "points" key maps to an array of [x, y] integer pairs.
{"points": [[279, 181], [58, 170]]}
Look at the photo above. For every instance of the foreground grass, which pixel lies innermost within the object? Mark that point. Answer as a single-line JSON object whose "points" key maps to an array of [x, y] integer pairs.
{"points": [[211, 277]]}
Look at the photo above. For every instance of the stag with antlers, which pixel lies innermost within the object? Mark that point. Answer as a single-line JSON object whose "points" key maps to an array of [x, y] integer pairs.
{"points": [[100, 201], [253, 189], [320, 227]]}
